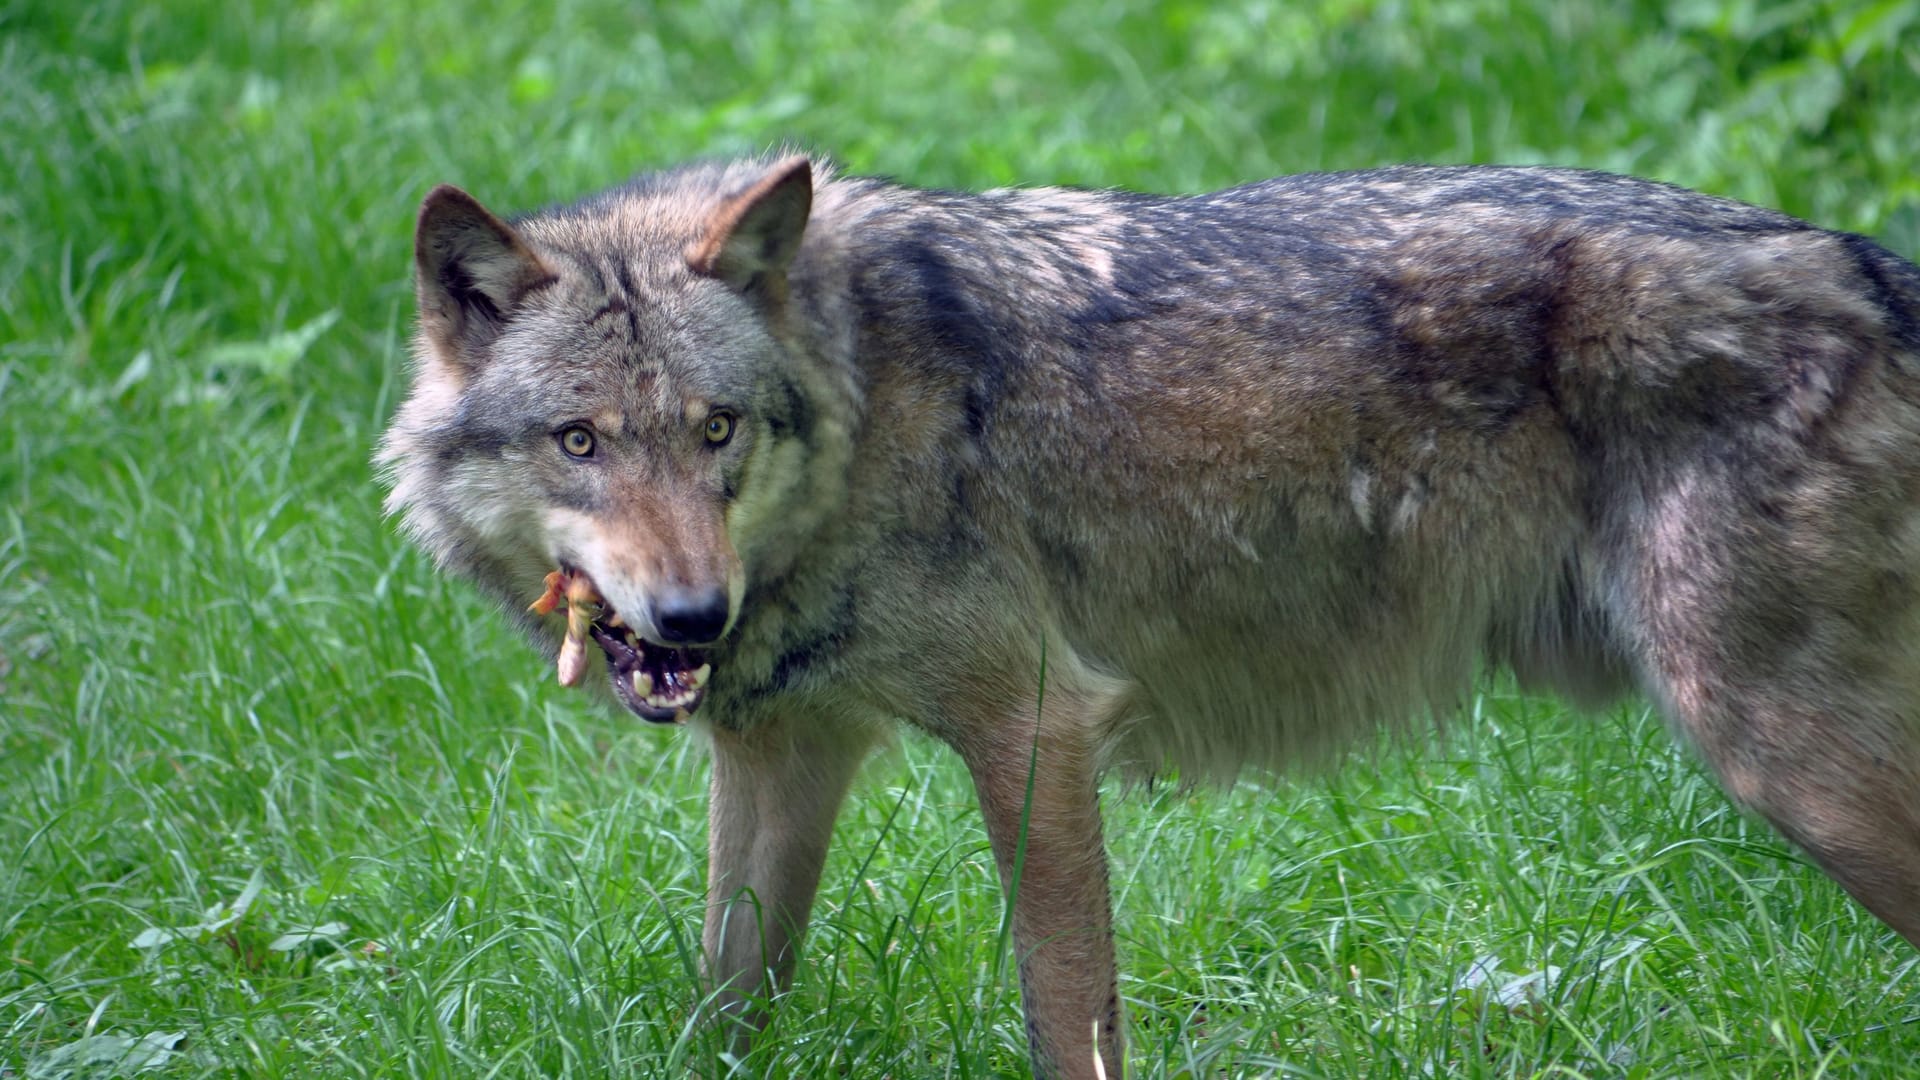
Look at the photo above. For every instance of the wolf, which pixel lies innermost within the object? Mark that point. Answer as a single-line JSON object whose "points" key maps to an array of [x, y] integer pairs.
{"points": [[1089, 481]]}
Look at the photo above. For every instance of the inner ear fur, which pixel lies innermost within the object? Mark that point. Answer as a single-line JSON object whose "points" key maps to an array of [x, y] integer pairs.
{"points": [[752, 237], [471, 269]]}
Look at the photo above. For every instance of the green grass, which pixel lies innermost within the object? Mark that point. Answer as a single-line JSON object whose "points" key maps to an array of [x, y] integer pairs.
{"points": [[223, 677]]}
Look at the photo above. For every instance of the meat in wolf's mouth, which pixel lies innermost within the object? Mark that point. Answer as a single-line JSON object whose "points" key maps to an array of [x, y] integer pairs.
{"points": [[659, 683]]}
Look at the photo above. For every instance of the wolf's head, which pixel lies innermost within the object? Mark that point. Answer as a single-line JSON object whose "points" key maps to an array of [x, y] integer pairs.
{"points": [[614, 389]]}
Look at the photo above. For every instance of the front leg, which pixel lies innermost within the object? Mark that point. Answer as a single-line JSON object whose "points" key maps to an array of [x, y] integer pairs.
{"points": [[1037, 778], [776, 792]]}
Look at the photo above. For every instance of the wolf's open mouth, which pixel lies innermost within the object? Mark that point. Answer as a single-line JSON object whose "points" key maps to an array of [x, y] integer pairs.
{"points": [[659, 683]]}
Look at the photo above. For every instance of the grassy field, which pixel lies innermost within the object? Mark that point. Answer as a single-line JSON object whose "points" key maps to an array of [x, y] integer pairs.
{"points": [[277, 801]]}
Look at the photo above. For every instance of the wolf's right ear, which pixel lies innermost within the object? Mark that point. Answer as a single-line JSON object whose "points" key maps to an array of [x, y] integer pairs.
{"points": [[751, 237], [471, 270]]}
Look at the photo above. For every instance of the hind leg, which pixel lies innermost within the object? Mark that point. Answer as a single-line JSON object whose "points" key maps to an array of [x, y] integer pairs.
{"points": [[1788, 651], [1837, 773]]}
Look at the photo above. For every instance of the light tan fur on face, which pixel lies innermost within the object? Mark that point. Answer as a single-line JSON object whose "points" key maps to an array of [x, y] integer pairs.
{"points": [[658, 542]]}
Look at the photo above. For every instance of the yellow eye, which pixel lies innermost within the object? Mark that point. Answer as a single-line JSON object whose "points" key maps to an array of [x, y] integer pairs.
{"points": [[577, 441], [719, 428]]}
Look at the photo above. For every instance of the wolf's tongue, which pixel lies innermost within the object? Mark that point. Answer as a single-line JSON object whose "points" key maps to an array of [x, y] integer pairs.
{"points": [[621, 647]]}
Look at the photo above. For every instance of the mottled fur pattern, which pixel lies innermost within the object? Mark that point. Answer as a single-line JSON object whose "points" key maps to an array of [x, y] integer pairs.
{"points": [[1079, 481]]}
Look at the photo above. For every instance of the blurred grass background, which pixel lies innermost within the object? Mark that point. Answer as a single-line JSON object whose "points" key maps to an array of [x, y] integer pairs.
{"points": [[276, 801]]}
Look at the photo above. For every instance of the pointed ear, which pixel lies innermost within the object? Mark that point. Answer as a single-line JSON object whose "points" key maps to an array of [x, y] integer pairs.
{"points": [[752, 236], [471, 269]]}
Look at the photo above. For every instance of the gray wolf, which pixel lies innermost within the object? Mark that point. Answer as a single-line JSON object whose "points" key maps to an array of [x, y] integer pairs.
{"points": [[1081, 481]]}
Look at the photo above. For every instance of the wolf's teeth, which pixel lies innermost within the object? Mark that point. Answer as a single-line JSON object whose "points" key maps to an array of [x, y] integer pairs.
{"points": [[699, 677], [642, 685], [614, 620]]}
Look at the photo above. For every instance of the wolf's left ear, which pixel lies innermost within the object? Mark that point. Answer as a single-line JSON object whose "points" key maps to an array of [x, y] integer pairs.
{"points": [[752, 236], [472, 269]]}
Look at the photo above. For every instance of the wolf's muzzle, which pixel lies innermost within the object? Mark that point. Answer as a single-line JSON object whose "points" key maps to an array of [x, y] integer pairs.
{"points": [[690, 617]]}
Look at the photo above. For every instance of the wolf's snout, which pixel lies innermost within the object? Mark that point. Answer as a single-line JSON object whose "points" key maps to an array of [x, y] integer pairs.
{"points": [[690, 617]]}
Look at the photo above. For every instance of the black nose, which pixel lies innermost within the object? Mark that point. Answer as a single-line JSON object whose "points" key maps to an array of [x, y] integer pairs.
{"points": [[690, 617]]}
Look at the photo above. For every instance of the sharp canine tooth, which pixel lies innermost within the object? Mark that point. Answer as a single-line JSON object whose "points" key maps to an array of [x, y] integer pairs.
{"points": [[642, 684], [615, 620], [699, 678]]}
